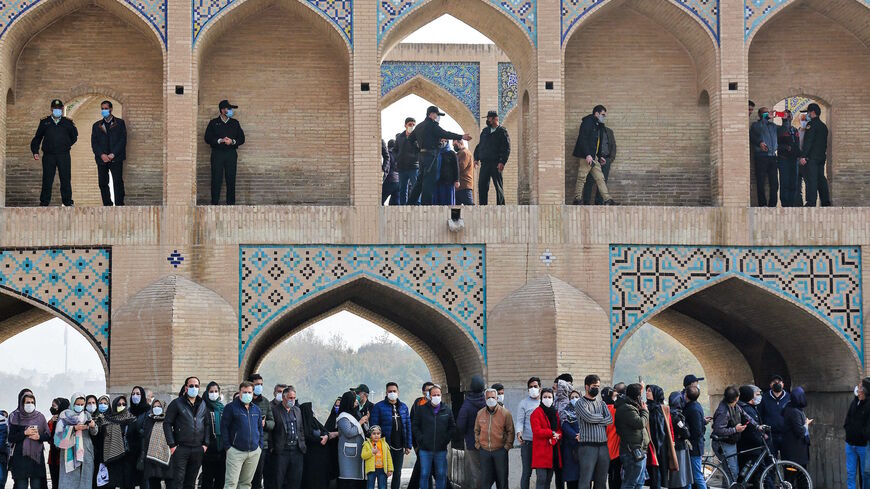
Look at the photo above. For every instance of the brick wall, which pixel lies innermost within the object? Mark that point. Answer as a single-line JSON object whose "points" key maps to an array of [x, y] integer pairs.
{"points": [[129, 69], [290, 80]]}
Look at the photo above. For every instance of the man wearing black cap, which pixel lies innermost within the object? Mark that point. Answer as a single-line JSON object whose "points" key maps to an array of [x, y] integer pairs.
{"points": [[365, 406], [814, 152], [224, 134], [56, 134], [428, 136], [491, 154], [109, 144], [770, 411]]}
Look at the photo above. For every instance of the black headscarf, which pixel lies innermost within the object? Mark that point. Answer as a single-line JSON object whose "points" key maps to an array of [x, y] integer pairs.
{"points": [[142, 407], [62, 405], [550, 411], [333, 414], [658, 395], [347, 405], [113, 416]]}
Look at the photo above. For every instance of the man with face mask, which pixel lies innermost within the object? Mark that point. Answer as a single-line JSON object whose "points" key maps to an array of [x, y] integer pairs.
{"points": [[499, 388], [593, 417], [814, 152], [523, 427], [770, 411], [287, 442], [752, 437], [187, 434], [789, 149], [592, 148], [632, 426], [428, 135], [224, 134], [56, 134], [393, 417], [242, 430], [764, 143], [493, 438], [109, 144], [492, 153], [856, 439], [407, 154], [465, 192], [267, 421]]}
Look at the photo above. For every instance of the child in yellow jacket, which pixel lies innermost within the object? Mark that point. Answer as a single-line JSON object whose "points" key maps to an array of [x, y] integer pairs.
{"points": [[379, 464]]}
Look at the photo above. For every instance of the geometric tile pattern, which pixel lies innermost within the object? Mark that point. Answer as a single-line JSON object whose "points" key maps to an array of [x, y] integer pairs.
{"points": [[796, 104], [339, 12], [755, 11], [826, 280], [154, 11], [73, 282], [274, 278], [462, 80], [706, 11], [508, 88], [524, 12]]}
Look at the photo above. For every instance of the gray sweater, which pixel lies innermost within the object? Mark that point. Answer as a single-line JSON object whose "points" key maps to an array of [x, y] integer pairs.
{"points": [[593, 418], [524, 415]]}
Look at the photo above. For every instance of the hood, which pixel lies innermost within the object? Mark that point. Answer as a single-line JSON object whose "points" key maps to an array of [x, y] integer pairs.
{"points": [[676, 401], [476, 399], [798, 398], [658, 394], [478, 385]]}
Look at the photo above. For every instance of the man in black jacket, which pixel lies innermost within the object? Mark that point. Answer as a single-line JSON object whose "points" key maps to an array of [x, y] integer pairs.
{"points": [[187, 434], [428, 136], [592, 148], [406, 160], [856, 428], [109, 144], [813, 155], [224, 134], [287, 442], [433, 428], [492, 153], [56, 134]]}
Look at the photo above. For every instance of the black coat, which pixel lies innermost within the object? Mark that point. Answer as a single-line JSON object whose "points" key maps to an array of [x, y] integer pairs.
{"points": [[278, 437], [218, 129], [187, 424], [432, 432], [428, 135], [315, 473], [588, 138], [856, 423], [449, 168], [54, 138], [795, 443], [152, 469], [815, 147], [494, 146], [407, 153], [20, 465], [111, 140]]}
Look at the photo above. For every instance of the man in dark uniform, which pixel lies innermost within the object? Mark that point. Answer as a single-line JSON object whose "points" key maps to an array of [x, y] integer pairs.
{"points": [[814, 152], [491, 154], [56, 134], [428, 135], [224, 134], [109, 143], [788, 149]]}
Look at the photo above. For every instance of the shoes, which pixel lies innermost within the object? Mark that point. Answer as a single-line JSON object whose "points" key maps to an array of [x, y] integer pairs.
{"points": [[610, 202], [578, 201]]}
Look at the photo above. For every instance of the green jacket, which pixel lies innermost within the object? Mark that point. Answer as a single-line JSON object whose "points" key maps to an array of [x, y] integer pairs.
{"points": [[631, 424], [265, 411]]}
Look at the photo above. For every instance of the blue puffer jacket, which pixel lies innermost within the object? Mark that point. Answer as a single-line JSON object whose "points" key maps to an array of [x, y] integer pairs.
{"points": [[241, 428], [382, 415]]}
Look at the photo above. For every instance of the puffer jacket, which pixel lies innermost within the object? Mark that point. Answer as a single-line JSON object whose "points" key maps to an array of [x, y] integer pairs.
{"points": [[631, 425]]}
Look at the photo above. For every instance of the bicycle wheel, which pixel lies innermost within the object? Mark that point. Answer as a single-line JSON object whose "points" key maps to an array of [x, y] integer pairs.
{"points": [[715, 476], [785, 475]]}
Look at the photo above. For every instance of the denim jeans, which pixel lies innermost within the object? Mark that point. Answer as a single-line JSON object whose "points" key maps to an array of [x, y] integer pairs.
{"points": [[632, 471], [378, 475], [855, 457], [465, 197], [727, 454], [407, 179], [698, 473], [433, 463]]}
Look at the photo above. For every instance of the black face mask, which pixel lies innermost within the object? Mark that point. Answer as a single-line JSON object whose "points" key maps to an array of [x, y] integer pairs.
{"points": [[594, 391], [54, 410], [777, 387]]}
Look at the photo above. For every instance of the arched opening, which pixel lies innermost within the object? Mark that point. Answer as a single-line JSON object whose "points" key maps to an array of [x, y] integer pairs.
{"points": [[292, 89], [84, 170], [129, 69], [660, 160], [834, 72]]}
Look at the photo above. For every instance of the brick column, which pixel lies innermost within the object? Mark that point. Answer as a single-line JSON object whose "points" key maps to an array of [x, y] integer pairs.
{"points": [[365, 177], [548, 113], [733, 187], [179, 168]]}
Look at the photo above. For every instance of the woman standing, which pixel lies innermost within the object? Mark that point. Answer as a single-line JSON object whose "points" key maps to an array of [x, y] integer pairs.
{"points": [[72, 436], [660, 437], [99, 417], [154, 452], [332, 444], [680, 475], [115, 450], [546, 435], [28, 432], [58, 405], [447, 176], [351, 469], [314, 473], [571, 441], [796, 437], [214, 461], [139, 409]]}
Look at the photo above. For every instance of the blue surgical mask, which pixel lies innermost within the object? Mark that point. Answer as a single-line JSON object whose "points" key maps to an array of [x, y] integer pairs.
{"points": [[258, 390], [192, 391], [78, 408], [765, 116], [136, 399], [247, 397], [230, 114], [103, 408], [157, 410], [105, 113], [56, 113]]}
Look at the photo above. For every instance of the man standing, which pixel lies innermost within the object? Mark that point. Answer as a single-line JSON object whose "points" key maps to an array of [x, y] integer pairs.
{"points": [[523, 427], [390, 185], [491, 154], [109, 143], [589, 188], [428, 135], [697, 423], [224, 134], [365, 406], [770, 411], [788, 142], [729, 421], [814, 152], [393, 417], [593, 417], [499, 389], [187, 434], [242, 428], [856, 439], [764, 143], [56, 134], [287, 442], [493, 437], [465, 193], [473, 403], [433, 427], [591, 146], [407, 153], [267, 421], [414, 481]]}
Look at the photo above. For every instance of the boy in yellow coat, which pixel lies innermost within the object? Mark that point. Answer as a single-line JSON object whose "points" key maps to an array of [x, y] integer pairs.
{"points": [[379, 464]]}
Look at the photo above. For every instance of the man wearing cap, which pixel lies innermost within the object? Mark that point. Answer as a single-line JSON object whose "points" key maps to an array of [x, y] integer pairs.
{"points": [[428, 136], [56, 134], [491, 154], [109, 144], [770, 411], [691, 381], [814, 152], [365, 406], [224, 134]]}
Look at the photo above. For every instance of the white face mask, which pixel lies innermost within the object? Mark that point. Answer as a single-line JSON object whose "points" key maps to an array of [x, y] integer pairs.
{"points": [[437, 118], [491, 402], [29, 407], [392, 396], [501, 398], [757, 399], [157, 411], [436, 400], [602, 118], [135, 399], [91, 408], [856, 391], [534, 392], [547, 401], [214, 396]]}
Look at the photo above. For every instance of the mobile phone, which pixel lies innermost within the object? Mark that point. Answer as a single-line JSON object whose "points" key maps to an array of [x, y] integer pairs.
{"points": [[640, 379]]}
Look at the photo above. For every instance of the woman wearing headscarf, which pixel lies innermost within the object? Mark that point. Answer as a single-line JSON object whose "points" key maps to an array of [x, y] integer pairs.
{"points": [[679, 475], [660, 437], [28, 432], [546, 440], [154, 452], [351, 468], [796, 434], [314, 473], [115, 449], [99, 416], [139, 409], [214, 460], [332, 444], [570, 441], [72, 436], [58, 405]]}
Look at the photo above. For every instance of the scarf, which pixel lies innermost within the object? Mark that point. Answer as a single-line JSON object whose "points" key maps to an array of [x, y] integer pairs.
{"points": [[217, 409], [569, 413], [68, 439], [115, 443], [550, 412], [158, 449], [30, 448], [353, 421], [142, 407]]}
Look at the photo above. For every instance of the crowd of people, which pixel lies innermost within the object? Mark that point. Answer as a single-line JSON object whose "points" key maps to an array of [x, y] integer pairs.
{"points": [[623, 436]]}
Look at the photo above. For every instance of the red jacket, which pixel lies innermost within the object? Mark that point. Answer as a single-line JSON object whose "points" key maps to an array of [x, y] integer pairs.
{"points": [[542, 440], [612, 437]]}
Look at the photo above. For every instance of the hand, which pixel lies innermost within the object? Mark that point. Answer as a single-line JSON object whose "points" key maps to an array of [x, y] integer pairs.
{"points": [[520, 437], [54, 419], [29, 431], [407, 451], [364, 419], [456, 184], [500, 167], [602, 160], [172, 450], [263, 422], [643, 406], [389, 474], [590, 160], [81, 427], [477, 163], [740, 428], [466, 137], [707, 419], [763, 146], [577, 437], [34, 437], [92, 424], [556, 436], [105, 158], [111, 156], [809, 421], [204, 448], [228, 141], [333, 434], [803, 161], [324, 439], [36, 156]]}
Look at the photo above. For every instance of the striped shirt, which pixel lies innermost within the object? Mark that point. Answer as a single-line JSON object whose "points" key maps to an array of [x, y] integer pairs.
{"points": [[593, 418]]}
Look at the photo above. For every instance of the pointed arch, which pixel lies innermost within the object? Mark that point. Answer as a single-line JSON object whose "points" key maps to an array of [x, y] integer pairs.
{"points": [[429, 90], [850, 14]]}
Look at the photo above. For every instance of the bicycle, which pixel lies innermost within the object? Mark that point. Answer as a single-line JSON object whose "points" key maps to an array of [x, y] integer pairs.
{"points": [[776, 474]]}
